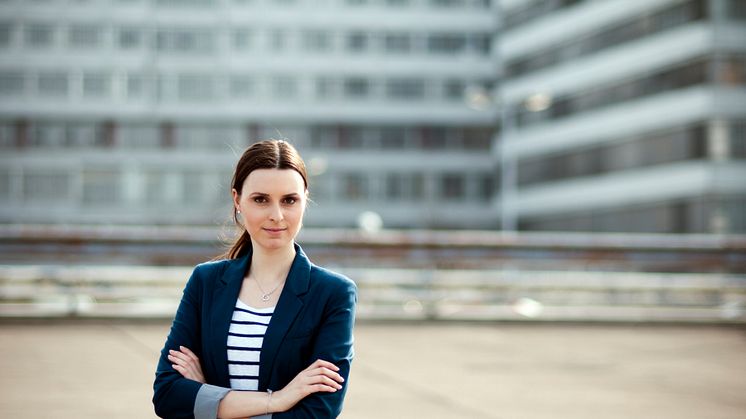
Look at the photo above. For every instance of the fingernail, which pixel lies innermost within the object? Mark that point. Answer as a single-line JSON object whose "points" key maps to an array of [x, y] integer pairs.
{"points": [[181, 347]]}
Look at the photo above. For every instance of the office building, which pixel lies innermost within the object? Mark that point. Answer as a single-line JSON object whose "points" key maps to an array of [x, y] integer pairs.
{"points": [[135, 111], [623, 115]]}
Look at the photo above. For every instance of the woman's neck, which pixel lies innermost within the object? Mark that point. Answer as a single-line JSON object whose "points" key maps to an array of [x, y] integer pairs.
{"points": [[271, 264]]}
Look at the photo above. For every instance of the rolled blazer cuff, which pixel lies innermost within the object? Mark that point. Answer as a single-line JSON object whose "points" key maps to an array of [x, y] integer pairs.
{"points": [[207, 401]]}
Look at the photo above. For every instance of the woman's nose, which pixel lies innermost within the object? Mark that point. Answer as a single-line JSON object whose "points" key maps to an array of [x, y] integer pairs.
{"points": [[276, 213]]}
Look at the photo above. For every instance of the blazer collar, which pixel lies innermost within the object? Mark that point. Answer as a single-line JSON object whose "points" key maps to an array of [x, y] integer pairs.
{"points": [[287, 308], [297, 280]]}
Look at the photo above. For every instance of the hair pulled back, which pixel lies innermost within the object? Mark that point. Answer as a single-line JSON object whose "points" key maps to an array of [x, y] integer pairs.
{"points": [[267, 154]]}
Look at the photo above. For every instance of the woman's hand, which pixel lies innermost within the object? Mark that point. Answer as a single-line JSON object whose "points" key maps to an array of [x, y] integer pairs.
{"points": [[187, 364], [319, 376]]}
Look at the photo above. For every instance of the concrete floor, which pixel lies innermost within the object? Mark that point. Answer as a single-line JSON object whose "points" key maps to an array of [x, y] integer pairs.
{"points": [[104, 369]]}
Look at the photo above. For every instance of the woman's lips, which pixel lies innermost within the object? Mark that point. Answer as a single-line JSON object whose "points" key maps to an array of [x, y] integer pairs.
{"points": [[274, 230]]}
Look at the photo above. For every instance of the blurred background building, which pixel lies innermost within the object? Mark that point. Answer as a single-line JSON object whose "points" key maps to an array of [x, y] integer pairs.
{"points": [[618, 115], [624, 115], [135, 111]]}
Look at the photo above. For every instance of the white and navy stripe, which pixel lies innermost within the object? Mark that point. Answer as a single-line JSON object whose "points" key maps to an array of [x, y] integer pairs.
{"points": [[245, 337]]}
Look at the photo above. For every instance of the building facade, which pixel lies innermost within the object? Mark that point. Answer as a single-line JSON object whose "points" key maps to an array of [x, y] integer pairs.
{"points": [[135, 111], [623, 115]]}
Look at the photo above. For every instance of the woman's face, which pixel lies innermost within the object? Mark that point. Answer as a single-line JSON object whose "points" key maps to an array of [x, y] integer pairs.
{"points": [[272, 203]]}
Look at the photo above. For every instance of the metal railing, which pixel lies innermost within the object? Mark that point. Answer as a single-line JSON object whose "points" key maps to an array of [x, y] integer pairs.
{"points": [[140, 272]]}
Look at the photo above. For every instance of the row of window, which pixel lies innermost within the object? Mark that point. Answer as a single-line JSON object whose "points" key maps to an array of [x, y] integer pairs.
{"points": [[38, 35], [80, 134], [471, 4], [727, 70], [636, 28], [686, 143], [201, 87], [709, 214], [159, 187], [531, 10]]}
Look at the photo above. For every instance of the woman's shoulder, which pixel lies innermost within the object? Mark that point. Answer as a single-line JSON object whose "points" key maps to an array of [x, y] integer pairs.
{"points": [[216, 265], [330, 278]]}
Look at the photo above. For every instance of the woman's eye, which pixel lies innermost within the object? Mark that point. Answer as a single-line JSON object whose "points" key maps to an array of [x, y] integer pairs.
{"points": [[290, 201], [260, 200]]}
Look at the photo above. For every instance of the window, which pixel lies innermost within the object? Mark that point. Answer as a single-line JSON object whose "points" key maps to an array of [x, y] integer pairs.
{"points": [[405, 89], [394, 138], [155, 187], [52, 83], [277, 40], [241, 39], [356, 87], [5, 180], [11, 83], [241, 86], [626, 31], [397, 43], [446, 43], [195, 87], [138, 135], [477, 138], [38, 35], [96, 85], [355, 187], [480, 43], [47, 134], [447, 3], [738, 139], [181, 3], [129, 38], [395, 186], [192, 190], [84, 36], [316, 40], [284, 86], [135, 86], [101, 187], [179, 40], [684, 75], [434, 138], [357, 41], [486, 187], [82, 134], [6, 32], [454, 90], [46, 187], [326, 87], [452, 186]]}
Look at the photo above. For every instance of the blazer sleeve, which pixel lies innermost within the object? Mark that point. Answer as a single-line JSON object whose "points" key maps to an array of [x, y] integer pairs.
{"points": [[173, 395], [334, 344]]}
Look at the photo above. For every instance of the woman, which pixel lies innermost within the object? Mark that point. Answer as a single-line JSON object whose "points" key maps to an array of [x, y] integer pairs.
{"points": [[264, 318]]}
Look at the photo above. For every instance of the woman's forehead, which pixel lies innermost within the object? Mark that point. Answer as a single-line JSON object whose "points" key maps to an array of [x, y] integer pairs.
{"points": [[271, 181]]}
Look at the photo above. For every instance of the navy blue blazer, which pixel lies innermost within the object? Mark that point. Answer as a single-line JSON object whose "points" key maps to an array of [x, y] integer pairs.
{"points": [[313, 319]]}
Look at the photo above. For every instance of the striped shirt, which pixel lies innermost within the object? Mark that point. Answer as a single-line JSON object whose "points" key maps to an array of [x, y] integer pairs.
{"points": [[245, 337]]}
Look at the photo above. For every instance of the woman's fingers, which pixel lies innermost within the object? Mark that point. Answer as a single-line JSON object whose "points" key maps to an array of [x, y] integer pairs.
{"points": [[328, 373], [321, 363], [186, 363], [189, 353]]}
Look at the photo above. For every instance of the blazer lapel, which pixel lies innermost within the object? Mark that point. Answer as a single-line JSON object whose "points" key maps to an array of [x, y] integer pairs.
{"points": [[223, 304], [287, 309]]}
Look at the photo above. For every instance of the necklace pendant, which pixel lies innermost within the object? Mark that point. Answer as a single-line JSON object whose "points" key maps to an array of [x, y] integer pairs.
{"points": [[265, 297]]}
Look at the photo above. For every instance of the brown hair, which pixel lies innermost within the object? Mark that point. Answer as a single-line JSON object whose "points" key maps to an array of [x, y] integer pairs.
{"points": [[267, 154]]}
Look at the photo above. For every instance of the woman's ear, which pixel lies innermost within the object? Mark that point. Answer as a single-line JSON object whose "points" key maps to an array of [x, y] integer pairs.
{"points": [[236, 198]]}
